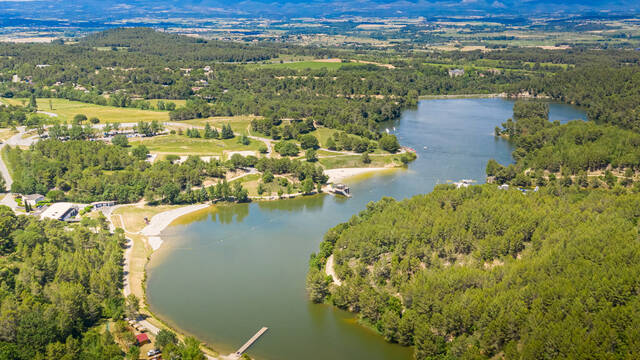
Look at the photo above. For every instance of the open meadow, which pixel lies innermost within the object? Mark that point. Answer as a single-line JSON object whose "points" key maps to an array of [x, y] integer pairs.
{"points": [[182, 145], [67, 109]]}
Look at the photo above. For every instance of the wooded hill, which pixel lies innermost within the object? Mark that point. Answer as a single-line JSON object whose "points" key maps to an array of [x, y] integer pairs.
{"points": [[481, 272]]}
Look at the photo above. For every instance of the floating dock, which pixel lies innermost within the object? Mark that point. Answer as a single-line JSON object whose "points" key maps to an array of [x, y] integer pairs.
{"points": [[340, 189], [253, 339]]}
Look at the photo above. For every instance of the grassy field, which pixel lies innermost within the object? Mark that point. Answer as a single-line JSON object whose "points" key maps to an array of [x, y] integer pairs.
{"points": [[251, 182], [355, 161], [67, 109], [323, 134], [182, 145], [239, 124], [133, 216]]}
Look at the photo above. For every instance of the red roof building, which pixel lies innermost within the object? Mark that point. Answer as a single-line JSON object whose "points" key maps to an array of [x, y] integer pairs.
{"points": [[142, 339]]}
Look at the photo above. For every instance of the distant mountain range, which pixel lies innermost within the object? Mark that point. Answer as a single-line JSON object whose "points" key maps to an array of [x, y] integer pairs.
{"points": [[117, 10]]}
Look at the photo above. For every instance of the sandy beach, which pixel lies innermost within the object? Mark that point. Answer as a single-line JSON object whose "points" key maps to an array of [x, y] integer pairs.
{"points": [[339, 175], [160, 221]]}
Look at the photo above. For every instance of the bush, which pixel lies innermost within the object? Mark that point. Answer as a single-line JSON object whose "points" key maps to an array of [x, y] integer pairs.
{"points": [[389, 143], [79, 119], [244, 140], [267, 177], [311, 155], [140, 152], [286, 148], [120, 140], [309, 141]]}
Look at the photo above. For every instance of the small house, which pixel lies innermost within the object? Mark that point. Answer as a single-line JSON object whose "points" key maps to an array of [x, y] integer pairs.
{"points": [[142, 338], [456, 72], [33, 199]]}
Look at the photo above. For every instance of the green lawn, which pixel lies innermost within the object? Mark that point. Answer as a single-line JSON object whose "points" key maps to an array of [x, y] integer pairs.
{"points": [[272, 188], [182, 145], [67, 109], [323, 134], [239, 124], [355, 161]]}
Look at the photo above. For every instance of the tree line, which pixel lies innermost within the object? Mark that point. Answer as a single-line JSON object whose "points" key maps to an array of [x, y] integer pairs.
{"points": [[567, 153]]}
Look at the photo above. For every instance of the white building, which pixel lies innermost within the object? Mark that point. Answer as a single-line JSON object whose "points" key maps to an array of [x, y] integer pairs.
{"points": [[60, 211], [463, 183]]}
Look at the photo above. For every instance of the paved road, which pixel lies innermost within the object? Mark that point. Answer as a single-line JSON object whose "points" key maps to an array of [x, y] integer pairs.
{"points": [[5, 171]]}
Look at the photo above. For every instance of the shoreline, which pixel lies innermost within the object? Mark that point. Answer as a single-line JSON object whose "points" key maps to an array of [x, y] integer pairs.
{"points": [[341, 174], [463, 96], [150, 235], [161, 221]]}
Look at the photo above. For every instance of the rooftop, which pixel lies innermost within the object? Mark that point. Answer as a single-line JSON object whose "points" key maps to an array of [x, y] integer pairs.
{"points": [[33, 196], [57, 210]]}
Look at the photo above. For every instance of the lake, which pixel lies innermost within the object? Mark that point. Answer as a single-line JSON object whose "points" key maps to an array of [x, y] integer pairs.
{"points": [[225, 272]]}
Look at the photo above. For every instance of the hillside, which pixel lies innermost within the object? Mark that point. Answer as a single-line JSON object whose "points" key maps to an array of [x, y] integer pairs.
{"points": [[480, 272]]}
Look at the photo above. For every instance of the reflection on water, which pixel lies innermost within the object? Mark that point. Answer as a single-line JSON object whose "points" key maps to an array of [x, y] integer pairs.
{"points": [[309, 203], [228, 214], [230, 269]]}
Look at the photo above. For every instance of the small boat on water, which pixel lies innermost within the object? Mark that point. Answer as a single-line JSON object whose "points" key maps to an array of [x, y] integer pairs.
{"points": [[387, 129]]}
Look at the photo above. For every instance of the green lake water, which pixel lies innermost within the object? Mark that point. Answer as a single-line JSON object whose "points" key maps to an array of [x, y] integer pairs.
{"points": [[224, 273]]}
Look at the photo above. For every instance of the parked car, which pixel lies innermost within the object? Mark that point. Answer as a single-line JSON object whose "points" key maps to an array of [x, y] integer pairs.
{"points": [[153, 352]]}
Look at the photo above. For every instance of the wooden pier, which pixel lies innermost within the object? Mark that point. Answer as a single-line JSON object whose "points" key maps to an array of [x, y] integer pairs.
{"points": [[253, 339]]}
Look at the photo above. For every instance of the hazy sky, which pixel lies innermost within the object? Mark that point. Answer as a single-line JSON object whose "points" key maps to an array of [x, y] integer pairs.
{"points": [[119, 8]]}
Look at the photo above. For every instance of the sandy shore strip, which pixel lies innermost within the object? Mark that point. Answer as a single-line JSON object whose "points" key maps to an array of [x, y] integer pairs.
{"points": [[463, 96], [331, 272], [339, 175], [160, 221]]}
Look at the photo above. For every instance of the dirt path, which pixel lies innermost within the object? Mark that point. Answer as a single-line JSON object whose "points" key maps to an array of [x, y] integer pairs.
{"points": [[331, 271], [266, 141]]}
